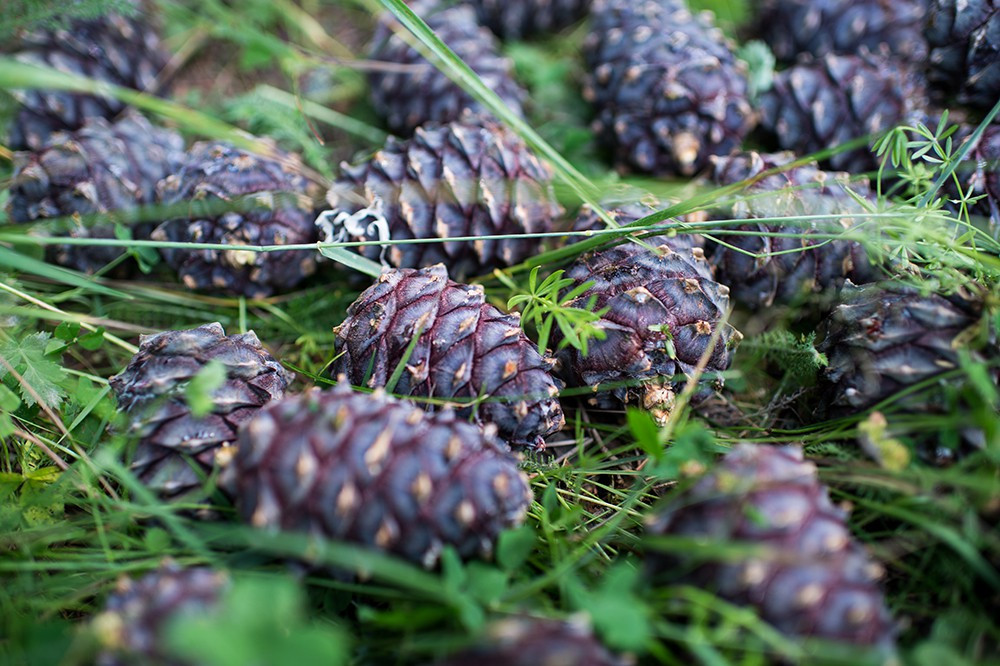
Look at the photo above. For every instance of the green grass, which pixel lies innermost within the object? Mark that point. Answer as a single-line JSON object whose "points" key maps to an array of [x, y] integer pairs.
{"points": [[73, 518]]}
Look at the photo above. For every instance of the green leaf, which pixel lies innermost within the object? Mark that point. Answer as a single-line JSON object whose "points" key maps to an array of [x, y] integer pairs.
{"points": [[515, 546], [27, 356], [67, 331], [352, 260], [486, 584], [646, 432], [199, 391], [93, 340]]}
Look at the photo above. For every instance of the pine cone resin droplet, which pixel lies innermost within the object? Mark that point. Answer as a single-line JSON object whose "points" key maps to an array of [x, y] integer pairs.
{"points": [[453, 346], [471, 178], [526, 641], [410, 91], [132, 627], [100, 169], [825, 102], [371, 469], [110, 49], [809, 578], [234, 197], [819, 27], [177, 450], [804, 270], [666, 87], [662, 307]]}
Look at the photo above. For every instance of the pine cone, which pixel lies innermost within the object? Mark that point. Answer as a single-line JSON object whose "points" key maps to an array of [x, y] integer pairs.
{"points": [[964, 36], [177, 449], [882, 339], [777, 274], [811, 580], [520, 19], [409, 91], [825, 102], [466, 350], [526, 641], [371, 469], [458, 180], [112, 49], [662, 308], [665, 84], [238, 198], [845, 27], [101, 168], [135, 618]]}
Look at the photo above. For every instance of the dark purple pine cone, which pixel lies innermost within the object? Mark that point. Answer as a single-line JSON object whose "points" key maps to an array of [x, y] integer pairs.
{"points": [[132, 625], [787, 270], [178, 450], [820, 27], [370, 469], [964, 36], [810, 578], [466, 350], [409, 91], [520, 19], [824, 102], [102, 168], [525, 641], [234, 197], [665, 85], [111, 49], [884, 338], [662, 308], [467, 178]]}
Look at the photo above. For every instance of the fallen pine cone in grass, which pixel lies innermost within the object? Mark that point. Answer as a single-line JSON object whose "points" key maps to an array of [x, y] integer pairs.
{"points": [[454, 347], [176, 449], [521, 19], [806, 575], [662, 308], [371, 469]]}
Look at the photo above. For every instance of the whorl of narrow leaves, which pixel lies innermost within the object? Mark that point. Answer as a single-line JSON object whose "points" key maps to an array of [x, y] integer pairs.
{"points": [[101, 168], [787, 269], [178, 443], [806, 575], [235, 197], [112, 49], [665, 85], [419, 334], [882, 339], [525, 641], [132, 627], [409, 91], [824, 102], [374, 470], [470, 178], [660, 309]]}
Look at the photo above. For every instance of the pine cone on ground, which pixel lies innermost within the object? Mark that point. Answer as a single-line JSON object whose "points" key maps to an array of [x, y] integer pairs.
{"points": [[112, 49], [964, 36], [237, 198], [467, 178], [177, 449], [520, 19], [882, 339], [824, 102], [409, 91], [666, 87], [131, 628], [778, 275], [662, 308], [102, 168], [466, 350], [812, 578], [525, 641], [820, 27], [371, 469]]}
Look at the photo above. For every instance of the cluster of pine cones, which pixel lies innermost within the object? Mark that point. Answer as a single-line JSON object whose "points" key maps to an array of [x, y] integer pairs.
{"points": [[437, 468]]}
